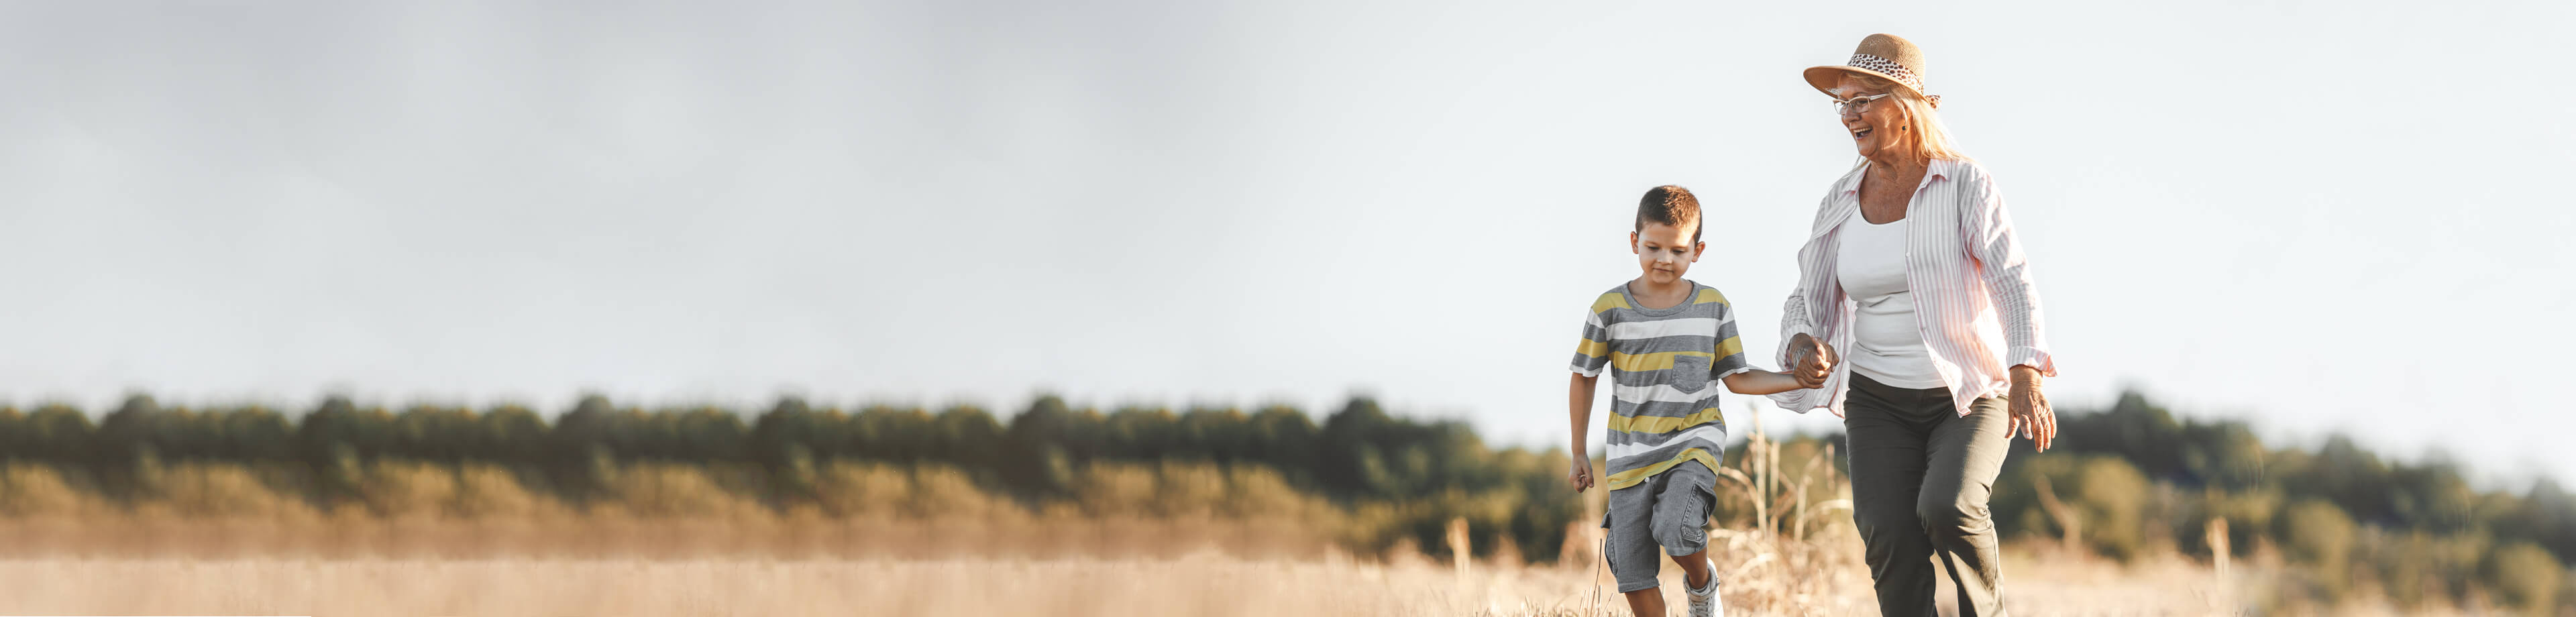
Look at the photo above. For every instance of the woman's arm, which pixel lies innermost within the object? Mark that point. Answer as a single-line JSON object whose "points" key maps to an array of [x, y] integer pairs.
{"points": [[1997, 249], [1796, 330], [1803, 353]]}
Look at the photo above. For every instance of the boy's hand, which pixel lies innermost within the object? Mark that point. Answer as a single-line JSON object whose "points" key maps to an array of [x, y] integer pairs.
{"points": [[1581, 476]]}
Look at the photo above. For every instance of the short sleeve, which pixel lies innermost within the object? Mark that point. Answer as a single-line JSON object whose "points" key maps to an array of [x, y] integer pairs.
{"points": [[1593, 354], [1730, 348]]}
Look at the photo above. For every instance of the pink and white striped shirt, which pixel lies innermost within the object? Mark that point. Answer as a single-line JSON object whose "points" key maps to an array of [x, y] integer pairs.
{"points": [[1972, 290]]}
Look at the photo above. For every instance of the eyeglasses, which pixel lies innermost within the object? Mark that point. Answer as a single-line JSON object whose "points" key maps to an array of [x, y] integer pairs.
{"points": [[1857, 104]]}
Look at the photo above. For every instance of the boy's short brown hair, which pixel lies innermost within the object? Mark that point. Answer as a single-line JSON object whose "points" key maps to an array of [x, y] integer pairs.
{"points": [[1669, 205]]}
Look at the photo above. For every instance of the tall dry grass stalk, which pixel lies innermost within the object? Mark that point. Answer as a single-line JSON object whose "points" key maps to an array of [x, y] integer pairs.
{"points": [[1792, 555]]}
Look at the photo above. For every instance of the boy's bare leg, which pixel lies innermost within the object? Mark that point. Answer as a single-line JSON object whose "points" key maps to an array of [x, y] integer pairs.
{"points": [[1695, 570], [1647, 602], [1695, 573]]}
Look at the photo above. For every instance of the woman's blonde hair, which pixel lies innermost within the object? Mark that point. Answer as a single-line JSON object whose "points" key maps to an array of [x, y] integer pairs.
{"points": [[1930, 139]]}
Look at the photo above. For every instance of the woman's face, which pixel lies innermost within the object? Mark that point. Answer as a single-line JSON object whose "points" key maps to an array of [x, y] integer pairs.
{"points": [[1877, 127]]}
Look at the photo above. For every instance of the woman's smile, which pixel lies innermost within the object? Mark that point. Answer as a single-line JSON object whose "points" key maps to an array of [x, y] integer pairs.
{"points": [[1860, 127]]}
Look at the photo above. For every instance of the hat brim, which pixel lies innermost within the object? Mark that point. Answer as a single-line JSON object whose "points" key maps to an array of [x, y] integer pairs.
{"points": [[1824, 78]]}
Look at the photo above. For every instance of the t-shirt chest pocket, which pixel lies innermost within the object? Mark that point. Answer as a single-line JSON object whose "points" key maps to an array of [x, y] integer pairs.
{"points": [[1690, 372]]}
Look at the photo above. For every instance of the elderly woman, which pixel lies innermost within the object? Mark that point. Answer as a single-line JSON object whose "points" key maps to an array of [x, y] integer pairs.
{"points": [[1914, 274]]}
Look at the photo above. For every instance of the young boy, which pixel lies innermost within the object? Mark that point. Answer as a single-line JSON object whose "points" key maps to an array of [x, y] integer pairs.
{"points": [[1664, 340]]}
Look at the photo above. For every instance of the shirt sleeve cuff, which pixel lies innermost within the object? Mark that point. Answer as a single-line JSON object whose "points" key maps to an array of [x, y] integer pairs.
{"points": [[1587, 373], [1793, 400], [1787, 335], [2035, 358]]}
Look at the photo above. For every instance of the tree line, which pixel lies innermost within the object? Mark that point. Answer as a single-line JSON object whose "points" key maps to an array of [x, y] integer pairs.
{"points": [[1419, 473]]}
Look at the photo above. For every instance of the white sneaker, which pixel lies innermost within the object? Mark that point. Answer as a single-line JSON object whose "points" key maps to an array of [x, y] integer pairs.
{"points": [[1703, 601]]}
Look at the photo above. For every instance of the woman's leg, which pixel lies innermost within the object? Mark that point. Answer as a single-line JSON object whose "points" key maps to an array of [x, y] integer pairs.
{"points": [[1966, 454], [1888, 446]]}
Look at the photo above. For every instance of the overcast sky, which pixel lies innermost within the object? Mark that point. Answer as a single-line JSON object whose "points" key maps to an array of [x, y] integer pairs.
{"points": [[2319, 216]]}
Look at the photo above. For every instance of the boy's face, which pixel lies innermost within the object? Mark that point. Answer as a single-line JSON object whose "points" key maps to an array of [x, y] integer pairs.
{"points": [[1664, 252]]}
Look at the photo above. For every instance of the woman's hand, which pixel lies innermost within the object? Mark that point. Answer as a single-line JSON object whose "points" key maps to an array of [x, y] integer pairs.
{"points": [[2031, 416], [1812, 360], [1581, 475]]}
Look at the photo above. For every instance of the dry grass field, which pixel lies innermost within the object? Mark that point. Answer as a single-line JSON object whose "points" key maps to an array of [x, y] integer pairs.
{"points": [[1190, 584], [648, 567], [1137, 540]]}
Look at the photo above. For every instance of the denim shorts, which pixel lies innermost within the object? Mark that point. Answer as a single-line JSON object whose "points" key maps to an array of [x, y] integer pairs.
{"points": [[1668, 509]]}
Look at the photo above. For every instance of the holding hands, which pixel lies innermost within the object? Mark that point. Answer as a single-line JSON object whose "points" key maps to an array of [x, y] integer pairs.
{"points": [[1811, 360]]}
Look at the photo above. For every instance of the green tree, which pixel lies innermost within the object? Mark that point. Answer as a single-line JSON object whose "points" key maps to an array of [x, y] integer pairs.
{"points": [[709, 433], [61, 434], [969, 438], [1142, 433], [583, 457], [133, 429], [2226, 455], [436, 433], [256, 433], [1041, 432], [1284, 437], [511, 435], [1349, 460], [338, 422], [17, 441]]}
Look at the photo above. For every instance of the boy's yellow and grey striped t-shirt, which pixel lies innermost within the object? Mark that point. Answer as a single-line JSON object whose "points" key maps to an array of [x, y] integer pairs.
{"points": [[1664, 369]]}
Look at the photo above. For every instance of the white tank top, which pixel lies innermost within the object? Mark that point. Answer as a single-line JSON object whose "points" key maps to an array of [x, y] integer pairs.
{"points": [[1888, 345]]}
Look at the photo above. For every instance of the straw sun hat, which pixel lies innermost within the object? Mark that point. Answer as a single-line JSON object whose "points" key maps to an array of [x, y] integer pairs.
{"points": [[1885, 56]]}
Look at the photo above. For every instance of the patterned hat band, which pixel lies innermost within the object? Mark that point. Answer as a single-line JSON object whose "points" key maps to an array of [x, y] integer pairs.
{"points": [[1892, 69]]}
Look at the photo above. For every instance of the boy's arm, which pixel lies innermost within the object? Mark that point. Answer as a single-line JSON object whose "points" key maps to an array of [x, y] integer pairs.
{"points": [[1579, 411], [1591, 358], [1762, 382]]}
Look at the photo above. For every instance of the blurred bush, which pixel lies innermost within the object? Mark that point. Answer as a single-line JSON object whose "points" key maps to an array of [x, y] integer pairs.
{"points": [[2316, 534], [2346, 519], [2525, 577], [36, 489]]}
